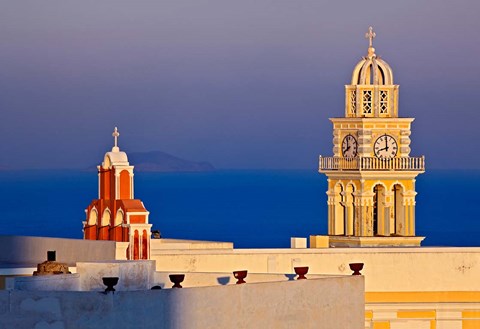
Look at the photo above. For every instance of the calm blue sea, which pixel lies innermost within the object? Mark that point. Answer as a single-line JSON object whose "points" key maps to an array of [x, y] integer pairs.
{"points": [[253, 209]]}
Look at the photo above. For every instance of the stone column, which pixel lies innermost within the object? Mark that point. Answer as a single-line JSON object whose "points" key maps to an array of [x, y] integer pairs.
{"points": [[364, 214], [387, 208], [336, 143], [376, 99], [364, 143], [409, 202], [331, 212], [349, 215], [405, 142], [131, 185], [117, 184]]}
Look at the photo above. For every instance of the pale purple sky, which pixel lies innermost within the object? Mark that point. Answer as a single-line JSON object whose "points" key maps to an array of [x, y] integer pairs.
{"points": [[242, 84]]}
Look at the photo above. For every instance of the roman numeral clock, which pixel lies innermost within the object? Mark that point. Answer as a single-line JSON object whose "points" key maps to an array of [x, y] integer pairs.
{"points": [[371, 176]]}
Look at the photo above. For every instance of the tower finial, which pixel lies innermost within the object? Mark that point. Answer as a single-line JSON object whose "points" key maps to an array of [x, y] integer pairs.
{"points": [[115, 135], [370, 35]]}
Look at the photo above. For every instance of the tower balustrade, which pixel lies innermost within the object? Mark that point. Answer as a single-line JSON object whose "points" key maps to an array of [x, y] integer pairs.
{"points": [[371, 163]]}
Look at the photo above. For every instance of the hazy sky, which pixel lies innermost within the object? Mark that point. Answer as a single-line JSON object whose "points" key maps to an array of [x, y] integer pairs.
{"points": [[242, 84]]}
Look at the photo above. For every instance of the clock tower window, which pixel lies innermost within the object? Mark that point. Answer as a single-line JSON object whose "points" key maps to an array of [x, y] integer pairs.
{"points": [[383, 101], [353, 102], [367, 102]]}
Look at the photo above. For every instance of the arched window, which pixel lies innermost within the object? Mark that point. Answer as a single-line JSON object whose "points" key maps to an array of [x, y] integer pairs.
{"points": [[116, 232], [102, 230], [106, 218], [118, 218], [93, 217], [144, 245], [136, 245], [90, 230]]}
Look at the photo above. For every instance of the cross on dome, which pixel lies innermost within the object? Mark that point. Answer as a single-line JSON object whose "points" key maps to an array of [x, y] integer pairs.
{"points": [[370, 35], [115, 137]]}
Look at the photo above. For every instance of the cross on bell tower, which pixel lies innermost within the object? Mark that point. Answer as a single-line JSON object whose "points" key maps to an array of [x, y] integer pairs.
{"points": [[115, 135]]}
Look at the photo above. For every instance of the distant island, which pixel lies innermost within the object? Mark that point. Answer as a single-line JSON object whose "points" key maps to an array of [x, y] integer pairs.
{"points": [[157, 161]]}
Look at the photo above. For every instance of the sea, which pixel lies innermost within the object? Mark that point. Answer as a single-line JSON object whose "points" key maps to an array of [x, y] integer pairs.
{"points": [[251, 208]]}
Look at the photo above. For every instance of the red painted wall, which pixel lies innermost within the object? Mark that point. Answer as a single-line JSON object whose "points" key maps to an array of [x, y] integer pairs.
{"points": [[111, 230], [125, 185]]}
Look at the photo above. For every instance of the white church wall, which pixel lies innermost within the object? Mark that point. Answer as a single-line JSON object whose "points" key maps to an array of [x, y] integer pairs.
{"points": [[28, 250], [385, 270], [197, 279], [133, 275], [314, 303], [58, 282]]}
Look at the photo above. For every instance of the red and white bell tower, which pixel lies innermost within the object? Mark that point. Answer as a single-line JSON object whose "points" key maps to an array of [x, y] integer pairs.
{"points": [[116, 215]]}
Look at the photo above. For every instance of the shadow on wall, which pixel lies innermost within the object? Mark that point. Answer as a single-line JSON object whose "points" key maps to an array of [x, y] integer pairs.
{"points": [[224, 280], [30, 250]]}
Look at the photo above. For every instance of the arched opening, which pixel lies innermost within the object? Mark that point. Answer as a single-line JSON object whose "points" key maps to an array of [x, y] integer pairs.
{"points": [[93, 217], [398, 223], [104, 225], [349, 205], [117, 230], [144, 245], [378, 222], [118, 218], [136, 245], [90, 230], [106, 218], [339, 211]]}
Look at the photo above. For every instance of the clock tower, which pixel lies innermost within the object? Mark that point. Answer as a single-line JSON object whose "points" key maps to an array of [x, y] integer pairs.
{"points": [[371, 176]]}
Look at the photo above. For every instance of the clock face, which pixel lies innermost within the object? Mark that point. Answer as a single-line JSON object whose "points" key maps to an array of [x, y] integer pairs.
{"points": [[349, 146], [385, 147]]}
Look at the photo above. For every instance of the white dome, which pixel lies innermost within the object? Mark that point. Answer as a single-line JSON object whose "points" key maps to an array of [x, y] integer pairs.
{"points": [[115, 158], [372, 70]]}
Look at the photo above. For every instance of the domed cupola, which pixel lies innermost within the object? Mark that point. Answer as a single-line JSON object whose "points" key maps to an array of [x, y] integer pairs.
{"points": [[115, 157], [371, 92]]}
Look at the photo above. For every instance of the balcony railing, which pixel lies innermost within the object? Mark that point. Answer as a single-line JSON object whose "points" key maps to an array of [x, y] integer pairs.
{"points": [[372, 163]]}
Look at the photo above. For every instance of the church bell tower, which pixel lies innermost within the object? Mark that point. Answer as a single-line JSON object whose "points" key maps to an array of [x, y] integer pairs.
{"points": [[116, 215], [371, 176]]}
